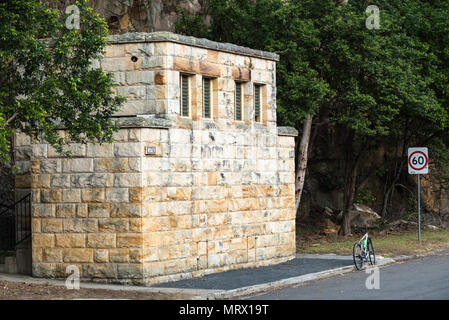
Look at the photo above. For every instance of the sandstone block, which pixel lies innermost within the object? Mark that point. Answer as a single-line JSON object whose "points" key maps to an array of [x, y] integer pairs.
{"points": [[51, 225], [117, 195], [82, 210], [125, 180], [43, 240], [113, 225], [111, 165], [39, 181], [101, 256], [52, 254], [129, 271], [99, 210], [119, 255], [50, 166], [43, 270], [126, 210], [140, 77], [93, 195], [129, 240], [60, 181], [70, 240], [77, 165], [80, 225], [92, 180], [102, 270], [43, 210], [71, 195], [100, 151], [101, 240], [77, 255], [65, 210], [129, 149], [51, 195]]}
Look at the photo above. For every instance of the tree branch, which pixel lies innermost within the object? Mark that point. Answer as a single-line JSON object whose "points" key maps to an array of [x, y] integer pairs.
{"points": [[12, 117]]}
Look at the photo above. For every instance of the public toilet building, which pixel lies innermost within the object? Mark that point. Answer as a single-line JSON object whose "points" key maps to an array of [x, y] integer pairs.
{"points": [[199, 179]]}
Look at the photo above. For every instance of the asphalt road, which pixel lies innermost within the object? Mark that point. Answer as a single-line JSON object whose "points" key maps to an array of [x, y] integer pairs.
{"points": [[420, 279]]}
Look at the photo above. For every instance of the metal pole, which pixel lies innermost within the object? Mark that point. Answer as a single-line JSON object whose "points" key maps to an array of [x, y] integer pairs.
{"points": [[419, 208]]}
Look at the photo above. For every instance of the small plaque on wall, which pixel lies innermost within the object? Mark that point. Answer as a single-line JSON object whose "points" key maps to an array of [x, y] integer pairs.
{"points": [[150, 150]]}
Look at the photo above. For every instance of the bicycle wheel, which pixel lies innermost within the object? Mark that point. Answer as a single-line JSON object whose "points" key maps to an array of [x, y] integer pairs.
{"points": [[371, 255], [357, 256]]}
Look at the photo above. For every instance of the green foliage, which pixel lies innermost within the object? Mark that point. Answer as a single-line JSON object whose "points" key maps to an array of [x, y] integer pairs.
{"points": [[191, 24], [365, 196], [47, 79]]}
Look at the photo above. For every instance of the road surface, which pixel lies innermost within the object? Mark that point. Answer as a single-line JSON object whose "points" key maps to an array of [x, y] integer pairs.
{"points": [[423, 278]]}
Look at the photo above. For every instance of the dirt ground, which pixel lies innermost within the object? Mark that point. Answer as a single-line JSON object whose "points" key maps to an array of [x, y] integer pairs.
{"points": [[10, 290]]}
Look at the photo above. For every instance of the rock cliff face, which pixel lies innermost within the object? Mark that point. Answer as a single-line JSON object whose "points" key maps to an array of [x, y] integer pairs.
{"points": [[139, 15]]}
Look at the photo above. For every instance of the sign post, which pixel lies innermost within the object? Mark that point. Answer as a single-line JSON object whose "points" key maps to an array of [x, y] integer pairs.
{"points": [[418, 163]]}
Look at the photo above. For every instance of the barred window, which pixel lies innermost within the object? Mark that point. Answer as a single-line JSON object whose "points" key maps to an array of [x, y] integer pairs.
{"points": [[207, 98], [238, 101], [184, 101], [257, 108]]}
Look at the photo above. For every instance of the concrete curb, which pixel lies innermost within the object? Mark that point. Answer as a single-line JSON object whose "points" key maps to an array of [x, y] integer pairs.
{"points": [[284, 283], [421, 255], [117, 287]]}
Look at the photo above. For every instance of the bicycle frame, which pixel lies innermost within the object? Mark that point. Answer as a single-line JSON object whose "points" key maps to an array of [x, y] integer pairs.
{"points": [[364, 243]]}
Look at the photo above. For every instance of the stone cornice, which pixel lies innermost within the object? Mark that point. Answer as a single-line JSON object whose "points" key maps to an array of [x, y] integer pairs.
{"points": [[287, 131], [163, 36]]}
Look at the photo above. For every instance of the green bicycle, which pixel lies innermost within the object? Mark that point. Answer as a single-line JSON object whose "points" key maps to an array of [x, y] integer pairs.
{"points": [[363, 251]]}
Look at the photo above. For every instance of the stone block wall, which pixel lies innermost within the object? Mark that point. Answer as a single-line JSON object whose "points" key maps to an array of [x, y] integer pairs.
{"points": [[216, 200], [83, 208], [217, 194]]}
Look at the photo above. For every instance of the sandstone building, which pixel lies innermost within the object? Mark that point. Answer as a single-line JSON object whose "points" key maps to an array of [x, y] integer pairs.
{"points": [[199, 179]]}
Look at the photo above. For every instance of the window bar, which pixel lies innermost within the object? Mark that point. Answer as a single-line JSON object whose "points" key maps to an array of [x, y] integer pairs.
{"points": [[206, 98], [238, 101], [257, 102], [184, 95]]}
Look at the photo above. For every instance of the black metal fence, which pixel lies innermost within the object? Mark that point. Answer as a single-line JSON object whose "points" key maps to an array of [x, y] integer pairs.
{"points": [[7, 229], [15, 223]]}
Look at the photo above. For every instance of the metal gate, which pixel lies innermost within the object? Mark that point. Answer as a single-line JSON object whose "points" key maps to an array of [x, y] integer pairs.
{"points": [[15, 223], [7, 229]]}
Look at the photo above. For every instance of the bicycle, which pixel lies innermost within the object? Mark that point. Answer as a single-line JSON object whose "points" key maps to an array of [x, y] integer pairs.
{"points": [[363, 251]]}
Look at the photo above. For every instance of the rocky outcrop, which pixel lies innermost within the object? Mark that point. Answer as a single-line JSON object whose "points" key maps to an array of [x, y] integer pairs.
{"points": [[140, 15], [363, 216]]}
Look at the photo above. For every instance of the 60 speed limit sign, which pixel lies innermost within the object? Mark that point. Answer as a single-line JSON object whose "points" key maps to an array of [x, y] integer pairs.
{"points": [[418, 161]]}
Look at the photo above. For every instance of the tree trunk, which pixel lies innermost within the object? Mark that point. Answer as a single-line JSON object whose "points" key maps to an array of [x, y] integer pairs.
{"points": [[349, 199], [352, 169], [302, 160]]}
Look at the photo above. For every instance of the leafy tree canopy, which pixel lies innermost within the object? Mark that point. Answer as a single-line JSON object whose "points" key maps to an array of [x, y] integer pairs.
{"points": [[47, 79]]}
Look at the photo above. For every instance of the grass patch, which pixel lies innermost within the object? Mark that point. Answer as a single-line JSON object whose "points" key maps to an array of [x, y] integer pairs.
{"points": [[387, 245]]}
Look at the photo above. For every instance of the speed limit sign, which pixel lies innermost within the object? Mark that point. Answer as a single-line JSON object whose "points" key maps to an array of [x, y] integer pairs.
{"points": [[418, 161]]}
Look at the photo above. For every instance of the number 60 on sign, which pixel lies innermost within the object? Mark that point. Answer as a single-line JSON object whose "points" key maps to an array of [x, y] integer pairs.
{"points": [[418, 161]]}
